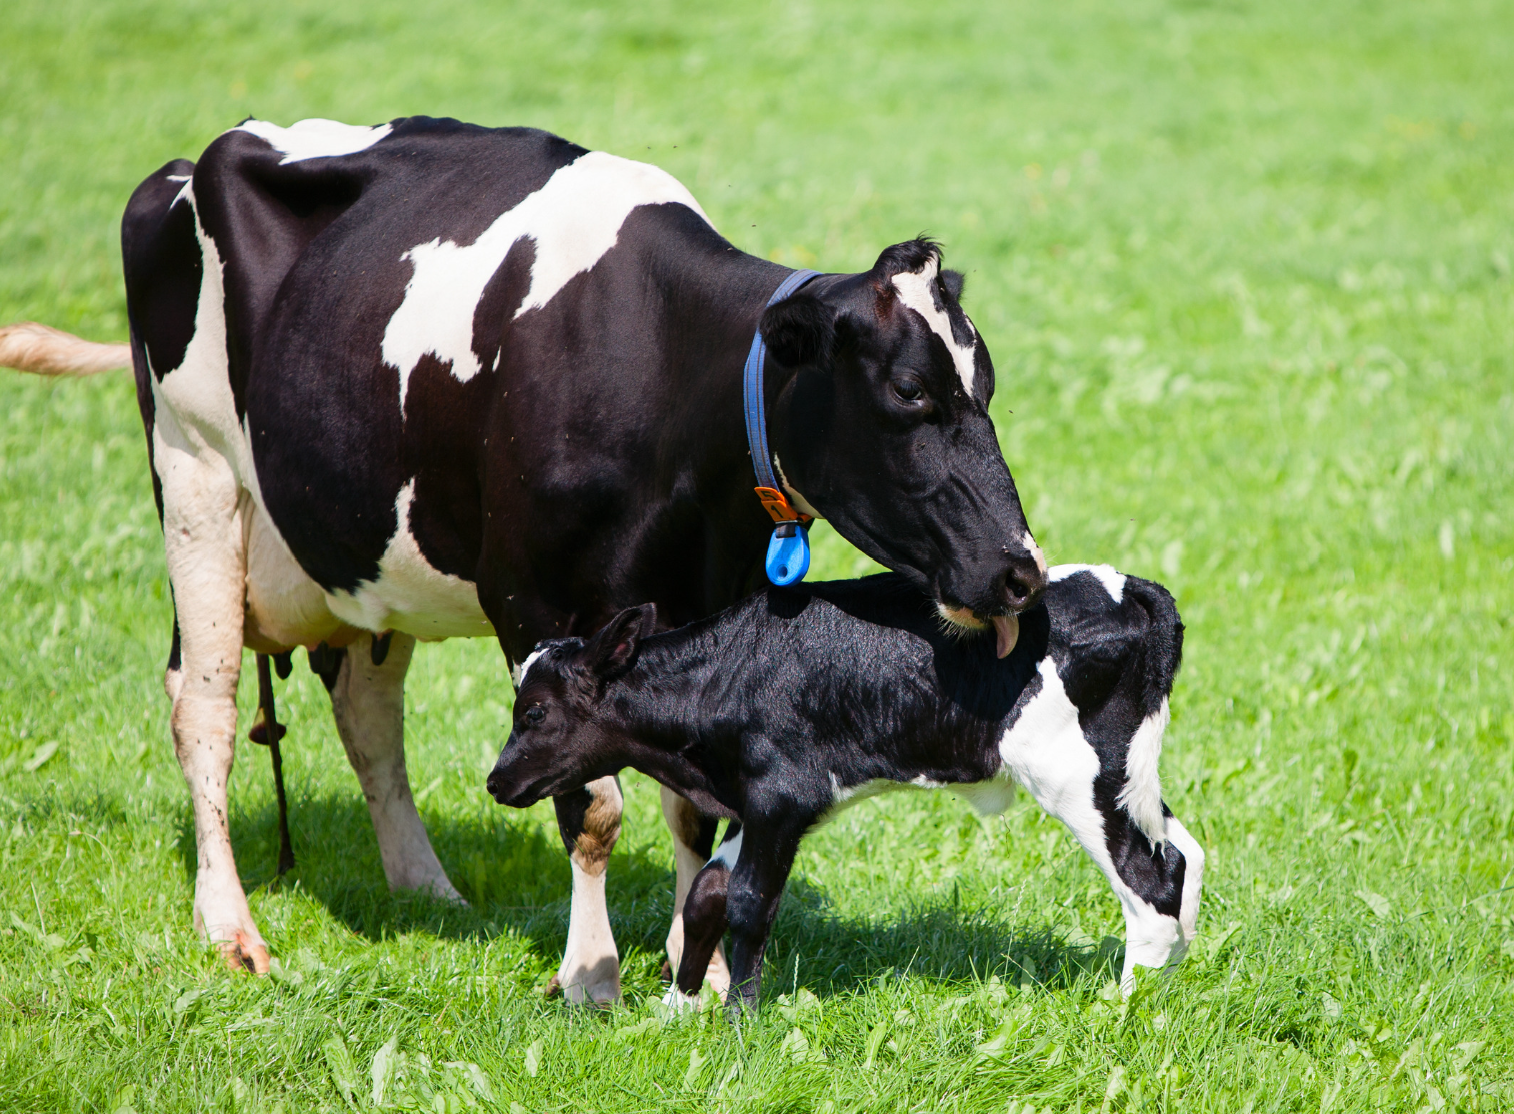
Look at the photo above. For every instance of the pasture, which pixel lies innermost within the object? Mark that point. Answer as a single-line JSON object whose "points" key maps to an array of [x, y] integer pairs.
{"points": [[1245, 271]]}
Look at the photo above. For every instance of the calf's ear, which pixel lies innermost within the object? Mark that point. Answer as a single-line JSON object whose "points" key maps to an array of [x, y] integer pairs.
{"points": [[799, 330], [613, 650]]}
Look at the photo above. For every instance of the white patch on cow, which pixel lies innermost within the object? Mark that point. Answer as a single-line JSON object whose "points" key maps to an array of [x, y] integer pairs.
{"points": [[1035, 552], [728, 852], [574, 219], [1193, 881], [410, 594], [178, 177], [1046, 752], [1112, 579], [800, 503], [315, 138], [915, 291], [1142, 795]]}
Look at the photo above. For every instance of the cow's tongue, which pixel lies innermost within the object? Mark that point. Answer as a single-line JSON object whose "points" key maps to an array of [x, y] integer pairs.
{"points": [[1007, 627]]}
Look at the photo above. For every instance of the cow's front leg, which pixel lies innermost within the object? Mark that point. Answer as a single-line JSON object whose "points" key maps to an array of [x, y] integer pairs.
{"points": [[368, 702], [761, 869], [693, 838], [589, 822], [207, 568]]}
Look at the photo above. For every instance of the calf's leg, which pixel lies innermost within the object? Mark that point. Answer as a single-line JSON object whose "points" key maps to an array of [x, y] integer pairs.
{"points": [[693, 837], [589, 822], [368, 702], [762, 866], [703, 923], [1156, 875]]}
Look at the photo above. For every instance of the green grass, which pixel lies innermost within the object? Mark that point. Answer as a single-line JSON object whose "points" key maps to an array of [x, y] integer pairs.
{"points": [[1245, 271]]}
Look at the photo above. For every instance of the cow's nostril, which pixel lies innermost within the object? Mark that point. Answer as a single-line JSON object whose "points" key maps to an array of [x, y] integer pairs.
{"points": [[1022, 585]]}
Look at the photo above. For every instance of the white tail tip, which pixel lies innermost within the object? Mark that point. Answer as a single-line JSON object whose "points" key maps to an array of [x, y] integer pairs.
{"points": [[43, 350]]}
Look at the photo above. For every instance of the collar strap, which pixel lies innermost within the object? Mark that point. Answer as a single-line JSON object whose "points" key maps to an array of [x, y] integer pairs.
{"points": [[774, 501]]}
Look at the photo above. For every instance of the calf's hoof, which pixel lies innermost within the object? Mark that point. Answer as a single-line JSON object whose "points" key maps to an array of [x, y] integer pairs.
{"points": [[679, 1002]]}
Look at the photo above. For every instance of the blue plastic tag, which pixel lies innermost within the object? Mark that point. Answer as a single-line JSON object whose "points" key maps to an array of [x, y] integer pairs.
{"points": [[788, 554]]}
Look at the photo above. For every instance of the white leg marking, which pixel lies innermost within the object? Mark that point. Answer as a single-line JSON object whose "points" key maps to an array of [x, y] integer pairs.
{"points": [[1193, 881], [368, 702], [1142, 795], [205, 565], [1047, 753], [915, 292], [590, 970], [679, 814], [315, 138], [1112, 579], [574, 219]]}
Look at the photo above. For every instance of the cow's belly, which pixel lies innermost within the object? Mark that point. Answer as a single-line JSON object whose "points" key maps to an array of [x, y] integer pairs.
{"points": [[286, 608]]}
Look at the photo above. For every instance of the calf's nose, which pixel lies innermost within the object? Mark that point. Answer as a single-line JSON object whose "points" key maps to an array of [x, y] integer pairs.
{"points": [[496, 785]]}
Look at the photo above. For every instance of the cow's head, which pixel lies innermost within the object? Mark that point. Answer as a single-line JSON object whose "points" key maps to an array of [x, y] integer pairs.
{"points": [[562, 736], [881, 426]]}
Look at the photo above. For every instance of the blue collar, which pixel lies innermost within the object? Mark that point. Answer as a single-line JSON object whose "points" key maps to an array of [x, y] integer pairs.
{"points": [[788, 556]]}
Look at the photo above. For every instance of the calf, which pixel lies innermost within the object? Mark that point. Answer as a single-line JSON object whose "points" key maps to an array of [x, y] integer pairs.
{"points": [[784, 709]]}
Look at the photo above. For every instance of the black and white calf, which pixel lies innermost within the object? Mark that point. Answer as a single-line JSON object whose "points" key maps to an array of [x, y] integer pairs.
{"points": [[798, 701]]}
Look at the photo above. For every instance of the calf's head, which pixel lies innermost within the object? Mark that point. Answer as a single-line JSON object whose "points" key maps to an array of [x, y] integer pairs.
{"points": [[564, 735], [881, 425]]}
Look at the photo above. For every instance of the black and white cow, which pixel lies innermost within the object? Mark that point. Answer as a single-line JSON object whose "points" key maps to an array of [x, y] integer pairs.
{"points": [[427, 380], [800, 701]]}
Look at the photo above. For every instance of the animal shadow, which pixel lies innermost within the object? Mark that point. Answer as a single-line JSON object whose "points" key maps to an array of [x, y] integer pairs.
{"points": [[516, 878]]}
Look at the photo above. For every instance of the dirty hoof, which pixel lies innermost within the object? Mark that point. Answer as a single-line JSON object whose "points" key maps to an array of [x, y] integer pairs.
{"points": [[243, 955]]}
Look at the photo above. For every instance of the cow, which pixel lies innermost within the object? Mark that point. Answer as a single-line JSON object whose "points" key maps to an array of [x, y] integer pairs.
{"points": [[799, 702], [427, 380]]}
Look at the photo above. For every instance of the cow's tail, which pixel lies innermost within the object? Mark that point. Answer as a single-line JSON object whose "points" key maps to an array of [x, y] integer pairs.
{"points": [[1162, 646], [43, 350]]}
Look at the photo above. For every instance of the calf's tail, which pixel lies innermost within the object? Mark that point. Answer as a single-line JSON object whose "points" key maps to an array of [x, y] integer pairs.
{"points": [[43, 350], [1161, 654]]}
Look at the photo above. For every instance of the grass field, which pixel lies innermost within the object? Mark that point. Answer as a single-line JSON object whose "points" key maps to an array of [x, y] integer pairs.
{"points": [[1245, 270]]}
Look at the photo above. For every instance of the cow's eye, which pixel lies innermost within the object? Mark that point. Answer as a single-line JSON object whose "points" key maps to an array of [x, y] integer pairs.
{"points": [[909, 390], [535, 714]]}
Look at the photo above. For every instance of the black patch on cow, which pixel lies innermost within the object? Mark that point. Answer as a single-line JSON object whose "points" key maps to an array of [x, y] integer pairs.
{"points": [[160, 253]]}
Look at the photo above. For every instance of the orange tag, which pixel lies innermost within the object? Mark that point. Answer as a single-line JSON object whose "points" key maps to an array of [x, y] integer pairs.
{"points": [[777, 505]]}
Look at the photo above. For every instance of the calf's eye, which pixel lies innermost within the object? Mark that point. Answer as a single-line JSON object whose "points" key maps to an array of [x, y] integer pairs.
{"points": [[535, 714]]}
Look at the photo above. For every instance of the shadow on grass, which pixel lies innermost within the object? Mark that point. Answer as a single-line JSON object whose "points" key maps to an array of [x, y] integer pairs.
{"points": [[516, 879]]}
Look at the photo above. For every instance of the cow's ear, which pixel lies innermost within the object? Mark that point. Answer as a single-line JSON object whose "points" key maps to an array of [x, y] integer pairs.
{"points": [[953, 282], [613, 650], [799, 330]]}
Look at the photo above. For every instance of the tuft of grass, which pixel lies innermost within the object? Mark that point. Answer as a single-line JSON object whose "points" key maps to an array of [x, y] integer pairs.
{"points": [[1245, 272]]}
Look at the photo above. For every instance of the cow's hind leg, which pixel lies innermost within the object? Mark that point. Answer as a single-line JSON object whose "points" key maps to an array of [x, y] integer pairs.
{"points": [[589, 822], [693, 839], [207, 568], [368, 702]]}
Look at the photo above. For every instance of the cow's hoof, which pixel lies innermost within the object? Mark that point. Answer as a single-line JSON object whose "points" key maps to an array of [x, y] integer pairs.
{"points": [[600, 994], [241, 954]]}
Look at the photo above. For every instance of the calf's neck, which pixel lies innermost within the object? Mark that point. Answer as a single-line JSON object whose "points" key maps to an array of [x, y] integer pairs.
{"points": [[787, 707]]}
